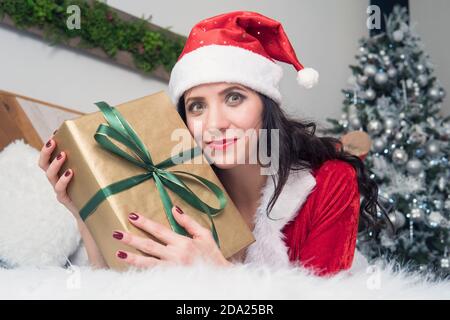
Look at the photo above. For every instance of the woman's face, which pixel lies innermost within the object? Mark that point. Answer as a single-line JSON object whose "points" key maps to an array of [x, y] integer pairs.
{"points": [[224, 118]]}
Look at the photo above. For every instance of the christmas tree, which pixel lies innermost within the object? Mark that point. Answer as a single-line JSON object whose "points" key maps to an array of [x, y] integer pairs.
{"points": [[395, 98]]}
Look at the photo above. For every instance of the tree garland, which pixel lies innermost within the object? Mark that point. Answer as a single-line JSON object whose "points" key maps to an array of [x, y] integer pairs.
{"points": [[101, 27]]}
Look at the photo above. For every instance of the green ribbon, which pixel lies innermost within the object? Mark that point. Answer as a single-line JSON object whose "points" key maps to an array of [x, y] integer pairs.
{"points": [[121, 131]]}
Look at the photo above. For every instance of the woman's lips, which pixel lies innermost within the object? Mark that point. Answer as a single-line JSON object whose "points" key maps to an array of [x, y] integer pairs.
{"points": [[222, 144]]}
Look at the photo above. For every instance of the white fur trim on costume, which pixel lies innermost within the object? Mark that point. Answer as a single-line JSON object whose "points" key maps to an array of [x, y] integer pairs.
{"points": [[308, 77], [269, 247], [224, 63]]}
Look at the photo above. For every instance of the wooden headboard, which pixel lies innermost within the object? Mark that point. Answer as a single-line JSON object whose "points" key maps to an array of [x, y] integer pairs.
{"points": [[29, 119]]}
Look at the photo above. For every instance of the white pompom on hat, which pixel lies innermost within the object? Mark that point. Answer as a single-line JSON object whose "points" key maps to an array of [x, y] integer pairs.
{"points": [[307, 77], [240, 47]]}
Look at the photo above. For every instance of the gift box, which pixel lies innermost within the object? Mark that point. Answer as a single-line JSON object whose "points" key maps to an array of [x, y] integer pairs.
{"points": [[125, 159]]}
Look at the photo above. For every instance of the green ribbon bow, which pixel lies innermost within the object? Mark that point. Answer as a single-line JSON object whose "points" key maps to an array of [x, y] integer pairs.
{"points": [[121, 131]]}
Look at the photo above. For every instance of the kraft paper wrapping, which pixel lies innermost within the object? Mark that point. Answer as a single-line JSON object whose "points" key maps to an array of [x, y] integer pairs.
{"points": [[154, 118]]}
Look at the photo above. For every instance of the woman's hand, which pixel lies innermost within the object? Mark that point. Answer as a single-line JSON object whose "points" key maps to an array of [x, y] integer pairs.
{"points": [[60, 184], [51, 168], [177, 249]]}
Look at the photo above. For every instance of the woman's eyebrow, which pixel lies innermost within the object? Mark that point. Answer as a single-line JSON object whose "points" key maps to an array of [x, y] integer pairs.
{"points": [[223, 92]]}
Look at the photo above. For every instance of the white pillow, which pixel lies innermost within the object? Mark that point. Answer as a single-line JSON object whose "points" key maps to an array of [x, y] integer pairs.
{"points": [[35, 229]]}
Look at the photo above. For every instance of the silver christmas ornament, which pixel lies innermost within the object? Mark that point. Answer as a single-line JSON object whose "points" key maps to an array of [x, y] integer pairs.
{"points": [[404, 27], [442, 93], [397, 219], [378, 144], [399, 156], [435, 219], [355, 123], [381, 78], [422, 79], [390, 123], [374, 127], [362, 50], [370, 70], [433, 148], [370, 94], [420, 67], [445, 263], [397, 35], [414, 166], [392, 72], [433, 93], [399, 136]]}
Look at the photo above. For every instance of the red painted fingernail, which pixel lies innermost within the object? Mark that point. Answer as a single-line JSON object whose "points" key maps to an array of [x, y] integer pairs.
{"points": [[179, 210], [122, 255], [59, 156], [118, 235], [133, 216], [49, 144], [67, 173]]}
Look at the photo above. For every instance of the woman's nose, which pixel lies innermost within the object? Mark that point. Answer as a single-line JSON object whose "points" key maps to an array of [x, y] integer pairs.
{"points": [[217, 118]]}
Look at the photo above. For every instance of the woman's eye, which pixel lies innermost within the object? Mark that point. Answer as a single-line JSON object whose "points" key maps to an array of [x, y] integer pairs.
{"points": [[195, 107], [234, 98]]}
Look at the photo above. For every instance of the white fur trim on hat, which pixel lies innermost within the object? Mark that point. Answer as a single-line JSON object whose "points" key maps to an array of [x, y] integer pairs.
{"points": [[224, 63]]}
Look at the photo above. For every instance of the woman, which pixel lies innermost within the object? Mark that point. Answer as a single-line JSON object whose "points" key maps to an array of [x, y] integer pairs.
{"points": [[307, 212]]}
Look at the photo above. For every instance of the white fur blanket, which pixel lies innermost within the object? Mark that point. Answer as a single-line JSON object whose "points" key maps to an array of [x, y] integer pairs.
{"points": [[38, 235]]}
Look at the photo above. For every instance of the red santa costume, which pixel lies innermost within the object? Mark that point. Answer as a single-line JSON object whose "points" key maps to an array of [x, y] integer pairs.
{"points": [[315, 219]]}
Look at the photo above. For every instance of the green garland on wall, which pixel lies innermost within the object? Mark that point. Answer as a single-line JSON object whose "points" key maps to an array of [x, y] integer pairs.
{"points": [[100, 28]]}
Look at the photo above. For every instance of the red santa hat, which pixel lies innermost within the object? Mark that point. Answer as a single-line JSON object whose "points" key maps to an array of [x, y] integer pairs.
{"points": [[240, 47]]}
